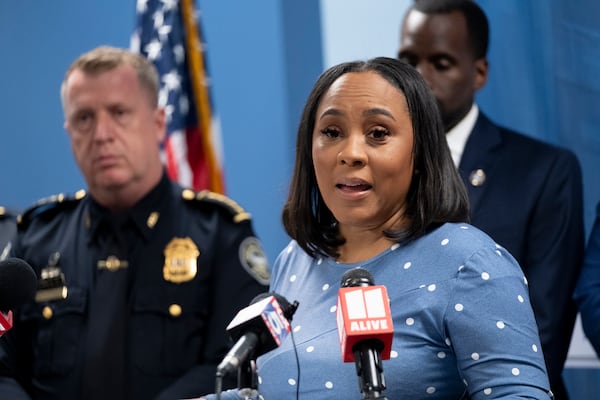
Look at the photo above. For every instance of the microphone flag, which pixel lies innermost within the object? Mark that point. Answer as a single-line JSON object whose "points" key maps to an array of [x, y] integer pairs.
{"points": [[363, 313]]}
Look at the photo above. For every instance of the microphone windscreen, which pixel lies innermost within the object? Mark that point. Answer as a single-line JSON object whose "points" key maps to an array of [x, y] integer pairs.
{"points": [[357, 277], [18, 283]]}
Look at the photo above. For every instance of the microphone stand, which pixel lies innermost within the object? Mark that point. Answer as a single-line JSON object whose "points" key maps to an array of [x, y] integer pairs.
{"points": [[247, 379], [369, 369]]}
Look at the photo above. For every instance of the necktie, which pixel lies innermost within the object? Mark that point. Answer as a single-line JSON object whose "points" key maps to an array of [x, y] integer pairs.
{"points": [[104, 375]]}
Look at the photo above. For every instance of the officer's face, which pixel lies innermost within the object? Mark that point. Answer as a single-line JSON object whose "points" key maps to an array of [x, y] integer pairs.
{"points": [[437, 46], [115, 131], [362, 148]]}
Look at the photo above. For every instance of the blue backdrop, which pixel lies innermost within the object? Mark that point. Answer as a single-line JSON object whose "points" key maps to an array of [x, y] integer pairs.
{"points": [[263, 58]]}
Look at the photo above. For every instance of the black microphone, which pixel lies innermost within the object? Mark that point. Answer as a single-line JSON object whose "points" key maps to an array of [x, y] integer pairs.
{"points": [[257, 329], [18, 284], [366, 329]]}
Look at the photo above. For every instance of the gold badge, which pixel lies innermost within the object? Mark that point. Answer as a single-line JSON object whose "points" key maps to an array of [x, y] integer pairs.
{"points": [[254, 260], [181, 260]]}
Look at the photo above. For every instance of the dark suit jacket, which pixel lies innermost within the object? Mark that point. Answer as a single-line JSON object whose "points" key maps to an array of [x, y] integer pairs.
{"points": [[530, 202], [587, 294]]}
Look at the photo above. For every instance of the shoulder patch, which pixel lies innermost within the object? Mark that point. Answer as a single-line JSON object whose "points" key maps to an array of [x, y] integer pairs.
{"points": [[237, 212], [254, 260], [48, 206]]}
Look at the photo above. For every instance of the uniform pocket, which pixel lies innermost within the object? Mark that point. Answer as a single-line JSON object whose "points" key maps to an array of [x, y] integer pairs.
{"points": [[58, 331], [167, 331]]}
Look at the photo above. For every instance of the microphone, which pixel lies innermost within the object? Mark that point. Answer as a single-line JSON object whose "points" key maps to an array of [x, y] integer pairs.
{"points": [[18, 284], [257, 329], [365, 329]]}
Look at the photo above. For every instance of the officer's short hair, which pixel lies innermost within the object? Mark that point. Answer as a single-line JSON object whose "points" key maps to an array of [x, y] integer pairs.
{"points": [[106, 58]]}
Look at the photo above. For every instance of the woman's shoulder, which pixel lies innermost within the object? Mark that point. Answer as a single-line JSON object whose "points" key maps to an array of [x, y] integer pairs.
{"points": [[289, 259], [465, 246]]}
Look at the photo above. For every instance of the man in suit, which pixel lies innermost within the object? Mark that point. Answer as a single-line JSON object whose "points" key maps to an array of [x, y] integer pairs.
{"points": [[526, 194], [587, 293]]}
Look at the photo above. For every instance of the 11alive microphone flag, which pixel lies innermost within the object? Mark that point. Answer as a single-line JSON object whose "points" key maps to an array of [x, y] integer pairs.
{"points": [[363, 312]]}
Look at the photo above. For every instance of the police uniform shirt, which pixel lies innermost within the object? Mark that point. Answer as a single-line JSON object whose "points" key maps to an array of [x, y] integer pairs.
{"points": [[179, 264]]}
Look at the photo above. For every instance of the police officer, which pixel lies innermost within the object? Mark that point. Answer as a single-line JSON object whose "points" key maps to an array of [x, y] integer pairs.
{"points": [[138, 276]]}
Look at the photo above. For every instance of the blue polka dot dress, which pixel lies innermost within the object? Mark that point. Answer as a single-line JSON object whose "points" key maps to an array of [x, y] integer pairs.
{"points": [[463, 324]]}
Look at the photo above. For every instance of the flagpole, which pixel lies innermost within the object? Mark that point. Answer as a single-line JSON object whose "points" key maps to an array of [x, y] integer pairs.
{"points": [[202, 99]]}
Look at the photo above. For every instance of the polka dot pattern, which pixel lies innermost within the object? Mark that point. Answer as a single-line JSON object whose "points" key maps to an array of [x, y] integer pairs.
{"points": [[441, 283]]}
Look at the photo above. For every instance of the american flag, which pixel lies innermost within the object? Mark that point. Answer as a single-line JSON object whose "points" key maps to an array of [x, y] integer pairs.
{"points": [[167, 33]]}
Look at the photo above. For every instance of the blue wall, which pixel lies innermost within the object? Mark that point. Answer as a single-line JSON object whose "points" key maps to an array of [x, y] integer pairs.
{"points": [[263, 58]]}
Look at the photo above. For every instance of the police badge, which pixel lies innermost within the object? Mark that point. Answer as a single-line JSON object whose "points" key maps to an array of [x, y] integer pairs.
{"points": [[181, 260]]}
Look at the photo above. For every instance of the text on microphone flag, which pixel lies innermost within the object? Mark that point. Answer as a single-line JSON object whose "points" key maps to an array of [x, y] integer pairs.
{"points": [[362, 313]]}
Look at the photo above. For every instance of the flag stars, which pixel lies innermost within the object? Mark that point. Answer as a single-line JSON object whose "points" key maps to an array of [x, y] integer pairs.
{"points": [[169, 110], [169, 5], [153, 49], [163, 32], [163, 97], [179, 53], [141, 6], [172, 80], [158, 18], [184, 104]]}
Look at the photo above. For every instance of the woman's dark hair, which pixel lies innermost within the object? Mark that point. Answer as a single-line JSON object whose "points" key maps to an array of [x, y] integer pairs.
{"points": [[436, 194]]}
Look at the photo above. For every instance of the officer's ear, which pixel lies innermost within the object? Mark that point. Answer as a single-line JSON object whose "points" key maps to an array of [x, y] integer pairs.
{"points": [[160, 122]]}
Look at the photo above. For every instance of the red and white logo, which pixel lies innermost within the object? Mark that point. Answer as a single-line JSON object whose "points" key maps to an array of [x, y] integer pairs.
{"points": [[6, 322], [364, 313]]}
